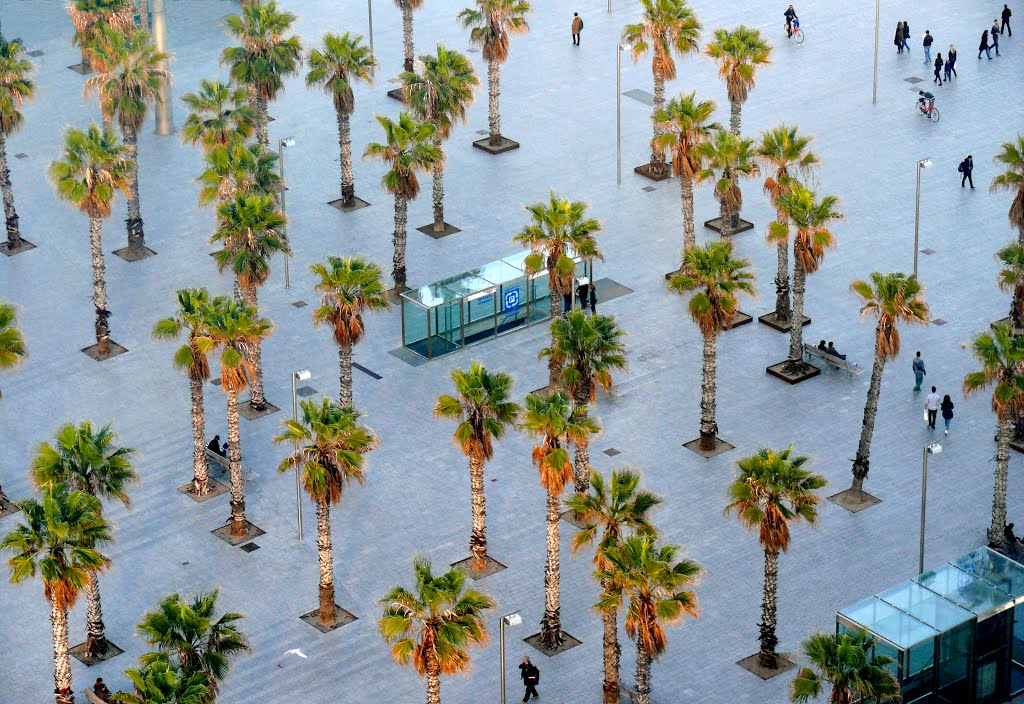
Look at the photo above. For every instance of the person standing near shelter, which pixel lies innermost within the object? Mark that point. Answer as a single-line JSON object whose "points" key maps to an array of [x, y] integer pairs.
{"points": [[984, 46], [994, 33], [1006, 21], [577, 27], [898, 39], [531, 678], [966, 167], [947, 411], [927, 40], [919, 371], [939, 63], [951, 60], [931, 405]]}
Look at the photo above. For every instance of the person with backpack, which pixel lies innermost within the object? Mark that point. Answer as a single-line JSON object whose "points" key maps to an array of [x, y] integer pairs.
{"points": [[531, 678], [966, 167], [577, 27]]}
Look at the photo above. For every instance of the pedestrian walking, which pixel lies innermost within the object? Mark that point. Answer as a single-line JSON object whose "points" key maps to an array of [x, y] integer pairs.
{"points": [[531, 678], [983, 46], [898, 39], [947, 411], [1006, 21], [906, 36], [577, 27], [587, 295], [966, 167], [939, 63], [951, 58], [947, 68], [919, 371], [931, 407], [994, 33], [927, 40]]}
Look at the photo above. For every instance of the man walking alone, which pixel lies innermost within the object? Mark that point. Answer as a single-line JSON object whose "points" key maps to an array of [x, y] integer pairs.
{"points": [[1006, 21], [919, 371], [966, 167], [577, 27], [531, 678]]}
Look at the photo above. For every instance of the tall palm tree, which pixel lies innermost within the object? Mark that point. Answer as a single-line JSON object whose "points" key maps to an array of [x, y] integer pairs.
{"points": [[91, 171], [727, 158], [618, 509], [343, 60], [1001, 354], [686, 123], [667, 28], [481, 405], [491, 24], [441, 93], [12, 342], [554, 423], [740, 53], [588, 350], [87, 460], [433, 626], [330, 446], [1011, 278], [57, 541], [220, 115], [163, 683], [1012, 180], [893, 300], [348, 287], [194, 638], [235, 329], [715, 278], [772, 491], [91, 18], [785, 156], [559, 230], [132, 81], [407, 149], [845, 663], [238, 168], [266, 55], [15, 88], [192, 359], [659, 586], [407, 7], [813, 219], [252, 231]]}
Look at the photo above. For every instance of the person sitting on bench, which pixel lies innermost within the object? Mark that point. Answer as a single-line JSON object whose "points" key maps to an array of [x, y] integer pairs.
{"points": [[831, 349], [1012, 541], [215, 446], [822, 347], [99, 688]]}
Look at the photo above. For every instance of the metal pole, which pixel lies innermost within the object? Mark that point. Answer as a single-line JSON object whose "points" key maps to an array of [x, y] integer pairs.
{"points": [[164, 118], [874, 82], [501, 629], [618, 114], [609, 5], [924, 495], [298, 488], [917, 214], [280, 162], [369, 14]]}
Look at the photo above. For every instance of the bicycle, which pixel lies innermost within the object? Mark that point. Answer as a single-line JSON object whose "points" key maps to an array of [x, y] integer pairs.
{"points": [[795, 33], [928, 110]]}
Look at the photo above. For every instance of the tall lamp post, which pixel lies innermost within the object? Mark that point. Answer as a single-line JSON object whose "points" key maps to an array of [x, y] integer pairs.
{"points": [[164, 119], [369, 16], [512, 619], [921, 164], [874, 80], [619, 48], [301, 375], [932, 449], [286, 142]]}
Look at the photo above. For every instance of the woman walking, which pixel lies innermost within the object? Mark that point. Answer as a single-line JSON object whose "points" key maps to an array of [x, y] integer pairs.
{"points": [[951, 60], [939, 63], [906, 35], [983, 46], [947, 411], [898, 39]]}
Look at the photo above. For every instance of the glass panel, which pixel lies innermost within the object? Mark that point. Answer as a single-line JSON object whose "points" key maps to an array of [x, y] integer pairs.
{"points": [[998, 570], [961, 588], [955, 649], [1017, 651], [431, 295], [540, 302], [480, 321], [925, 605], [512, 299], [919, 670], [890, 623], [990, 681], [993, 634], [414, 327], [446, 329], [883, 648]]}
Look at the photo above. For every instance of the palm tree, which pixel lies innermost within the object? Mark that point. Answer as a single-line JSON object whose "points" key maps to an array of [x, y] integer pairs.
{"points": [[12, 343], [407, 7], [191, 636], [91, 18], [554, 423], [686, 123], [433, 626], [220, 115], [441, 94], [893, 300], [1001, 354], [739, 54], [266, 55], [407, 149], [588, 350], [87, 460], [559, 231], [772, 491], [191, 358], [343, 60], [491, 24], [163, 683], [618, 508], [92, 170], [330, 445], [727, 158], [348, 287], [238, 168], [1012, 180], [251, 231], [659, 586], [15, 88], [784, 155], [235, 330], [57, 541], [667, 27], [847, 663], [1011, 278], [485, 414], [715, 278]]}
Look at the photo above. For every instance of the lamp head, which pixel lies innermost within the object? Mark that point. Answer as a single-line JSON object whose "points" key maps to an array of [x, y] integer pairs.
{"points": [[623, 47], [288, 142], [303, 375], [512, 619], [934, 449], [925, 163]]}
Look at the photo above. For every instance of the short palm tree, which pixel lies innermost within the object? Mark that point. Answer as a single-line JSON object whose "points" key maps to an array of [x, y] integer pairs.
{"points": [[12, 342], [554, 423], [616, 509], [485, 413], [659, 586], [1001, 354], [784, 156], [15, 88], [441, 93], [343, 60], [686, 123], [57, 542], [163, 683], [191, 358], [407, 7], [893, 300], [220, 115], [407, 149], [91, 18], [667, 28], [433, 626], [92, 169], [330, 446], [265, 57], [1011, 278], [1012, 180], [846, 663], [726, 158], [740, 53], [713, 279], [559, 231], [348, 288], [772, 491], [588, 350], [194, 638], [491, 24]]}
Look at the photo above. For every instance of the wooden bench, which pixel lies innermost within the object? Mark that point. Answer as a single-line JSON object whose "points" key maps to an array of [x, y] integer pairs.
{"points": [[832, 361], [92, 698], [224, 466]]}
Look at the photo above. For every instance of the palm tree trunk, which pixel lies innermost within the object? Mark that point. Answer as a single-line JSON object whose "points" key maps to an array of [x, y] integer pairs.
{"points": [[238, 527], [398, 260], [658, 165], [136, 236], [555, 303], [99, 288], [708, 426], [581, 466], [348, 180], [995, 531], [725, 218], [767, 657], [61, 657], [861, 463], [689, 233], [478, 538], [611, 649], [438, 187], [551, 624], [734, 117], [782, 305], [795, 363], [1016, 306], [13, 233], [643, 676], [323, 546], [259, 106], [407, 34], [95, 632], [257, 401], [200, 467], [433, 682], [345, 376], [493, 94]]}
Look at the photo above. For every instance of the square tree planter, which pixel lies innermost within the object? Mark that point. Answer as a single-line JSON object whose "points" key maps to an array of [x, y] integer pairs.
{"points": [[341, 618], [251, 531], [721, 446], [645, 171], [505, 145], [568, 643], [753, 664], [739, 225], [338, 204], [79, 654], [807, 371], [491, 566], [115, 350], [853, 501], [785, 326], [11, 251], [428, 230]]}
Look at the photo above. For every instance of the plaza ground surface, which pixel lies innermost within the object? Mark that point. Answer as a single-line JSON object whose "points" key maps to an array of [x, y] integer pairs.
{"points": [[559, 102]]}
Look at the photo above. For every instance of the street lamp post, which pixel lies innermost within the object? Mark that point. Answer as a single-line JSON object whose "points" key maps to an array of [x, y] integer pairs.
{"points": [[874, 81], [921, 164], [512, 619], [286, 142], [164, 119], [932, 449], [301, 375], [619, 48], [369, 15]]}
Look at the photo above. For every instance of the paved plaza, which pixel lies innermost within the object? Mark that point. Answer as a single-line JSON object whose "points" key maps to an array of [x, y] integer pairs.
{"points": [[558, 101]]}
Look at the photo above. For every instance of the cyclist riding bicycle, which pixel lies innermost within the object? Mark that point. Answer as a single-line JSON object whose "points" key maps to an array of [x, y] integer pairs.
{"points": [[791, 20], [925, 101]]}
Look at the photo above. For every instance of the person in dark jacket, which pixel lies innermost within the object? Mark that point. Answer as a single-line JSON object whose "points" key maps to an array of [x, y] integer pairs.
{"points": [[906, 36], [951, 59], [939, 63], [214, 446], [966, 167], [99, 688], [531, 678], [587, 295], [790, 15], [994, 33], [927, 42], [947, 69], [983, 46], [1006, 21], [831, 349], [898, 39], [947, 411]]}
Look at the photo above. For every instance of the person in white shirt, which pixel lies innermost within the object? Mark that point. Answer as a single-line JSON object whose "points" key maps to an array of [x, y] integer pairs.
{"points": [[931, 404]]}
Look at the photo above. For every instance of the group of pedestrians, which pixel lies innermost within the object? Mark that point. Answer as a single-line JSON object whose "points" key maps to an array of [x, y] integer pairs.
{"points": [[945, 69], [933, 403], [990, 37]]}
